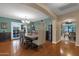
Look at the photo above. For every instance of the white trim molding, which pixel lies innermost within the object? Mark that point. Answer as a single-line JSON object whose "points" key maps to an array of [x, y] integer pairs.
{"points": [[56, 42], [76, 44]]}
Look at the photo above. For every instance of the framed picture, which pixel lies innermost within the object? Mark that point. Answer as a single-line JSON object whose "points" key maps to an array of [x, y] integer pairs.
{"points": [[3, 25]]}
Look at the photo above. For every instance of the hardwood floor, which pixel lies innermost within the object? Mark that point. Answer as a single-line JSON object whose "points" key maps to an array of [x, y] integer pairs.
{"points": [[13, 48]]}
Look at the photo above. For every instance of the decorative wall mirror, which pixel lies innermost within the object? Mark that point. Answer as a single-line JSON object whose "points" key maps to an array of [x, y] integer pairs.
{"points": [[3, 25]]}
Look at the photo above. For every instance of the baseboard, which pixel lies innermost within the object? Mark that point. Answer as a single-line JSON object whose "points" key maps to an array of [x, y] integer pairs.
{"points": [[76, 44], [56, 42]]}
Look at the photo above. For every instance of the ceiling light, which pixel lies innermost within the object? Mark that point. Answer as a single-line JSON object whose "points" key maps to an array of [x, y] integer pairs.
{"points": [[27, 21], [22, 21], [69, 20], [25, 15]]}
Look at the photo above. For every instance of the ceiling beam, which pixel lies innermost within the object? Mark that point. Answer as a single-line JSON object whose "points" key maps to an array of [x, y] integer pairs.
{"points": [[41, 7], [48, 10]]}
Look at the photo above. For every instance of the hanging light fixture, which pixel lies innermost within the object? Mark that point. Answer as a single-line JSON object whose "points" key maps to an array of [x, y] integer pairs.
{"points": [[22, 21], [25, 20]]}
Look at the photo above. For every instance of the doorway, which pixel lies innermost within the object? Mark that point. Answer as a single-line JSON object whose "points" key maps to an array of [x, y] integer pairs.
{"points": [[69, 31], [15, 30]]}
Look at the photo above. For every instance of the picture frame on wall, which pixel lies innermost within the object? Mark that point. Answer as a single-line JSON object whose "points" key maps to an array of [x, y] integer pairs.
{"points": [[3, 25]]}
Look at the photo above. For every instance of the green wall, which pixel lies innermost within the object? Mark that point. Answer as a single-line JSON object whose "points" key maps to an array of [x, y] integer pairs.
{"points": [[8, 21], [48, 21]]}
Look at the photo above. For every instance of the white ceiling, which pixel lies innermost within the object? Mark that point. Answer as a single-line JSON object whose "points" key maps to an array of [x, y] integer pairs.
{"points": [[20, 12], [62, 8], [23, 11]]}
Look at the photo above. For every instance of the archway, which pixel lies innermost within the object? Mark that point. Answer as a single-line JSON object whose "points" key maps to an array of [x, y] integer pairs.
{"points": [[68, 30]]}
